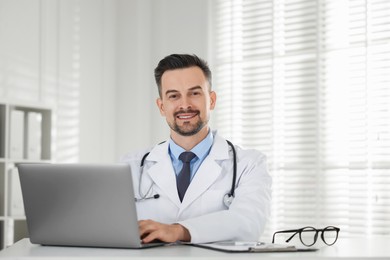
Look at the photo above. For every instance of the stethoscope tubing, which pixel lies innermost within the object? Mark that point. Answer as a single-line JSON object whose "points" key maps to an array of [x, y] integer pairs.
{"points": [[232, 189]]}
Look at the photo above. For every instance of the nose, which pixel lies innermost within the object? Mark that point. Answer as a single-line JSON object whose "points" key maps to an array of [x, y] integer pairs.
{"points": [[185, 103]]}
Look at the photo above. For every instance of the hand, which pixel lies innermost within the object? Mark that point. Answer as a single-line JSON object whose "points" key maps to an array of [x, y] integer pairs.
{"points": [[151, 230]]}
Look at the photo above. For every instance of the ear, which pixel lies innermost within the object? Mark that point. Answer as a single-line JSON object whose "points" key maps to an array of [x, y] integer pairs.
{"points": [[160, 106], [213, 100]]}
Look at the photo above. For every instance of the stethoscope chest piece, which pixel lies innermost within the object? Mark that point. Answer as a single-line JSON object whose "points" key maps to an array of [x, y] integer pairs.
{"points": [[228, 199]]}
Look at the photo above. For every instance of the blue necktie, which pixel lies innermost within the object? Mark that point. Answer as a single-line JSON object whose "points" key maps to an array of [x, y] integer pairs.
{"points": [[184, 177]]}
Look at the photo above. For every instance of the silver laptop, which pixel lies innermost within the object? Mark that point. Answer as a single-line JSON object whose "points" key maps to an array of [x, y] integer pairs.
{"points": [[80, 205]]}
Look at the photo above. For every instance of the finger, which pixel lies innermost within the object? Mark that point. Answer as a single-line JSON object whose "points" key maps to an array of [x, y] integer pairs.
{"points": [[146, 226], [151, 237], [154, 231], [145, 222]]}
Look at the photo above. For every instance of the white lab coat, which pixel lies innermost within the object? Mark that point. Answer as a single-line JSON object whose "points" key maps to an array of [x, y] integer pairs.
{"points": [[202, 211]]}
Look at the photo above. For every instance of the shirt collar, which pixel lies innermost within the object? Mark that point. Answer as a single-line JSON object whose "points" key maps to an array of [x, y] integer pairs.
{"points": [[201, 150]]}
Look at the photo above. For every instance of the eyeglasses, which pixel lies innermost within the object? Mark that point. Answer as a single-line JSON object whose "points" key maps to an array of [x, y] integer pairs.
{"points": [[309, 235]]}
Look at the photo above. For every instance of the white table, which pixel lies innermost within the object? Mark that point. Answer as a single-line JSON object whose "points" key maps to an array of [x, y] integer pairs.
{"points": [[353, 248]]}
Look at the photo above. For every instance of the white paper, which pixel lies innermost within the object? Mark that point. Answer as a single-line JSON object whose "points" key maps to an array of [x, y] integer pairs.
{"points": [[254, 247]]}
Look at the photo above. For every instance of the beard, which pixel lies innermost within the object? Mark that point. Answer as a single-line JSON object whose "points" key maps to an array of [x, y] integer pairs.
{"points": [[188, 129]]}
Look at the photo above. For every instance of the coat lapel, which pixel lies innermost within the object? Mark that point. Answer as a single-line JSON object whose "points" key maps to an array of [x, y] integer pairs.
{"points": [[207, 173], [162, 173]]}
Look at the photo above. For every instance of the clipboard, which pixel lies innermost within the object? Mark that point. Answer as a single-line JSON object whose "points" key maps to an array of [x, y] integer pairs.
{"points": [[251, 247]]}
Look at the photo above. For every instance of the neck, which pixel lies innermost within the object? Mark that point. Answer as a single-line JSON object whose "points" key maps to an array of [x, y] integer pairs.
{"points": [[189, 142]]}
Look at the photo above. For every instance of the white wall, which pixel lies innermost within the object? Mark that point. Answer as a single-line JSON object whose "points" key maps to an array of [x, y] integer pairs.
{"points": [[148, 31], [19, 50], [98, 80], [93, 62], [134, 81]]}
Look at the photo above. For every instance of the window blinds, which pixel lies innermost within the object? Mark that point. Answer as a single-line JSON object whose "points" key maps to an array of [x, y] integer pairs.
{"points": [[308, 83]]}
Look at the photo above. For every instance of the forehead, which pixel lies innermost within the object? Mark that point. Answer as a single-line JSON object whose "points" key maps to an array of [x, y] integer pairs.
{"points": [[183, 78]]}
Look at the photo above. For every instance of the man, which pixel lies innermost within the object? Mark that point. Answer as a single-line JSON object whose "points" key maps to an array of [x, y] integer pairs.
{"points": [[199, 212]]}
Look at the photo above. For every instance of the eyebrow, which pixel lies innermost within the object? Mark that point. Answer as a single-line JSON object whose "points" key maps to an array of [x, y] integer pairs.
{"points": [[175, 91]]}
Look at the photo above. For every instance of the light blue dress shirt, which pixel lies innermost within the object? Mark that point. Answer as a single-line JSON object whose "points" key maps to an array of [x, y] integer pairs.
{"points": [[201, 150]]}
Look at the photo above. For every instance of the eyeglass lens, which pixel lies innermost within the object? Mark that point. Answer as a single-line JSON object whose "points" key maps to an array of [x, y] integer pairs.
{"points": [[309, 235], [329, 235]]}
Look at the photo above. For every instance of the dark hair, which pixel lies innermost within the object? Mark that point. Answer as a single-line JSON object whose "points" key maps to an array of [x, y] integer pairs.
{"points": [[180, 61]]}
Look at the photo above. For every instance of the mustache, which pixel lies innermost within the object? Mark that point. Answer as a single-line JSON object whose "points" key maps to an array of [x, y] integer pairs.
{"points": [[186, 111]]}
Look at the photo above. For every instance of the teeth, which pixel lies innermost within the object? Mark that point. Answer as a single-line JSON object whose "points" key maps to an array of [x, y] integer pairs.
{"points": [[185, 117]]}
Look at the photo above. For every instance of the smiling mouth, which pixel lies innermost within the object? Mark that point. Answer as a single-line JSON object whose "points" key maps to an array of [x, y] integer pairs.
{"points": [[186, 115]]}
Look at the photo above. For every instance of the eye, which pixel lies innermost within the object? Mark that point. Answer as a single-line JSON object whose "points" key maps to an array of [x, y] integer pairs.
{"points": [[172, 96]]}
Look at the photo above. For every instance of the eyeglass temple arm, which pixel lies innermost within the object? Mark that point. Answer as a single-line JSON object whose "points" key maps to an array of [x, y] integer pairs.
{"points": [[296, 231]]}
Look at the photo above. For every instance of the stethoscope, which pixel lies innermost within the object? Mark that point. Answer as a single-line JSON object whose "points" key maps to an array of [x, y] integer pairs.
{"points": [[227, 198]]}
